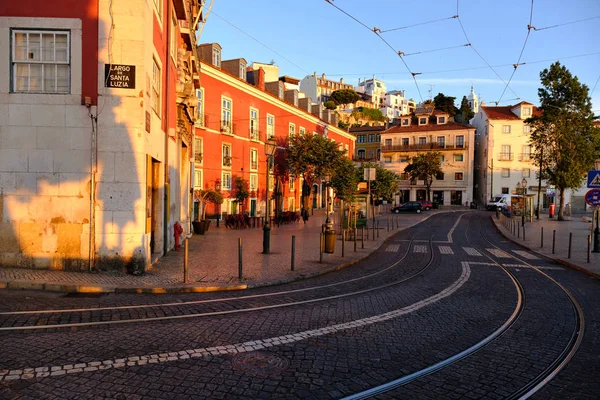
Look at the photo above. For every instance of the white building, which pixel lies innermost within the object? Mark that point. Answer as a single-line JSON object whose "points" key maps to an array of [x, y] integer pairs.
{"points": [[395, 105], [473, 101], [320, 89], [374, 88]]}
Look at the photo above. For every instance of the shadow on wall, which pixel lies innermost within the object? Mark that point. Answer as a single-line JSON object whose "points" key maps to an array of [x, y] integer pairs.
{"points": [[46, 185]]}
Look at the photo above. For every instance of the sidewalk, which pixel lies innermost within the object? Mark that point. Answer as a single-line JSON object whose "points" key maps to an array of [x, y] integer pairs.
{"points": [[575, 226], [214, 261]]}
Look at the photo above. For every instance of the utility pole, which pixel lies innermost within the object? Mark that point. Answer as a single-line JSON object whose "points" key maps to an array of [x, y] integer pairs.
{"points": [[537, 216]]}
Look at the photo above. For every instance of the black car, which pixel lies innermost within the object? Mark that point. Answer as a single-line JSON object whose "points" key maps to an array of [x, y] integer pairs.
{"points": [[411, 206]]}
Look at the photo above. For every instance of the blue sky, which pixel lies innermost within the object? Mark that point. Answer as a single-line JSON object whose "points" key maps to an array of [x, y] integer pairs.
{"points": [[308, 36]]}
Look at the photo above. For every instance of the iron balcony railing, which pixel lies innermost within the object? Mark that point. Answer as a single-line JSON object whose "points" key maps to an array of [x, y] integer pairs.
{"points": [[198, 157], [505, 156], [254, 134], [227, 127], [227, 161], [525, 157], [421, 147]]}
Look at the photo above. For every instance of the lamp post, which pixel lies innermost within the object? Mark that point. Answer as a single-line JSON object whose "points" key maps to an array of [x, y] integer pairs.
{"points": [[597, 230], [523, 190], [326, 180], [270, 147], [218, 189]]}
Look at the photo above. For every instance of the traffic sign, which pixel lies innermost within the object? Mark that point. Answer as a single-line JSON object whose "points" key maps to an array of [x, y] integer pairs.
{"points": [[592, 197], [593, 179]]}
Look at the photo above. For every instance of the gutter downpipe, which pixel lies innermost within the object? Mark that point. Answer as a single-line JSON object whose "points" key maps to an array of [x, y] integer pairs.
{"points": [[167, 180]]}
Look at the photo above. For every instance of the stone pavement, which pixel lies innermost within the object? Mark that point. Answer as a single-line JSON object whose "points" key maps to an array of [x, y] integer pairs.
{"points": [[214, 260], [578, 226]]}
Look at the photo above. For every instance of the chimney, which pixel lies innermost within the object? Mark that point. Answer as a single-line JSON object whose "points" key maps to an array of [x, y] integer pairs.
{"points": [[315, 110], [323, 77], [291, 96], [305, 103], [334, 119], [275, 88], [342, 80], [260, 80]]}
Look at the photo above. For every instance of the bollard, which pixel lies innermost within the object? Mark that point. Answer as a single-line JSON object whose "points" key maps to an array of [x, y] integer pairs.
{"points": [[293, 250], [397, 223], [388, 223], [362, 237], [240, 263], [523, 232], [553, 240], [542, 239], [321, 245], [185, 262], [374, 231], [355, 232], [570, 238], [343, 241], [589, 240]]}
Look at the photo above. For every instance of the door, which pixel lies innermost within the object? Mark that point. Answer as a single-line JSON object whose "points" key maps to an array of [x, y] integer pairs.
{"points": [[152, 201], [253, 207]]}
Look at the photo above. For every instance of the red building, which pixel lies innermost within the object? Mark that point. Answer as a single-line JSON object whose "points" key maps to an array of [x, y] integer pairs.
{"points": [[239, 109]]}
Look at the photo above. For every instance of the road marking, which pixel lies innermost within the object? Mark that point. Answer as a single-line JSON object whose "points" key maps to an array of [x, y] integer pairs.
{"points": [[393, 248], [253, 345], [471, 251], [526, 254], [499, 253], [445, 250], [420, 249], [421, 241], [532, 267]]}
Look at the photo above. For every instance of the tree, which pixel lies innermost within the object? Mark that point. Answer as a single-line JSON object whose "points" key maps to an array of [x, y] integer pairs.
{"points": [[564, 138], [207, 196], [344, 96], [345, 180], [371, 114], [312, 157], [386, 182], [445, 103], [330, 105], [242, 190], [464, 113], [425, 166]]}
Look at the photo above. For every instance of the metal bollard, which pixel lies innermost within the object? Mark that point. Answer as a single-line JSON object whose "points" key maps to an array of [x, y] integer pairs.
{"points": [[553, 240], [589, 242], [185, 262], [293, 251], [321, 245], [397, 223], [388, 223], [362, 237], [374, 231], [570, 238], [355, 234], [542, 239], [240, 262], [343, 242]]}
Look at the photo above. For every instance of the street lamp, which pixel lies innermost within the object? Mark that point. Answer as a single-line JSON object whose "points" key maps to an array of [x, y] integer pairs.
{"points": [[597, 230], [218, 189], [523, 190], [326, 180], [270, 147]]}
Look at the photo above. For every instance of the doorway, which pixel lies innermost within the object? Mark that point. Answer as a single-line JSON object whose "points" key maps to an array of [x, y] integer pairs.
{"points": [[152, 202]]}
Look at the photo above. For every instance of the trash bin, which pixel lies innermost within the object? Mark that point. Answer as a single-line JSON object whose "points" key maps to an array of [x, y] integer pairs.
{"points": [[551, 210], [330, 241]]}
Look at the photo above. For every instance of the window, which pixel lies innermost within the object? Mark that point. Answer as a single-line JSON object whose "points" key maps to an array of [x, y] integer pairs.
{"points": [[362, 139], [371, 154], [505, 173], [460, 142], [505, 190], [197, 179], [158, 5], [302, 131], [270, 126], [423, 121], [458, 176], [198, 150], [526, 156], [156, 84], [226, 180], [388, 142], [439, 176], [378, 138], [292, 130], [243, 71], [404, 141], [404, 176], [41, 61], [441, 120], [371, 138], [405, 121], [225, 114], [173, 38], [526, 129], [441, 141], [292, 183], [226, 151], [254, 135], [253, 159], [403, 159], [526, 111], [526, 172], [291, 203], [200, 107], [387, 159], [216, 57], [361, 154], [422, 140], [505, 155], [253, 181], [505, 128], [459, 158]]}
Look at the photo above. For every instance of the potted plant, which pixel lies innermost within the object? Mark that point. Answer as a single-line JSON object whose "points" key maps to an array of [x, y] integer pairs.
{"points": [[205, 197]]}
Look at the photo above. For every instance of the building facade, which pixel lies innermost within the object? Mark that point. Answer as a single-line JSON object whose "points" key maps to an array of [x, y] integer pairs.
{"points": [[96, 112], [320, 89], [236, 119], [368, 143], [374, 88], [426, 133]]}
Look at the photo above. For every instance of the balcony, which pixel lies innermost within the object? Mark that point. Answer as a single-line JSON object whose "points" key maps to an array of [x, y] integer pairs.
{"points": [[505, 156], [201, 120], [198, 157], [421, 147], [254, 165], [254, 134], [227, 127], [227, 161], [525, 157], [360, 158]]}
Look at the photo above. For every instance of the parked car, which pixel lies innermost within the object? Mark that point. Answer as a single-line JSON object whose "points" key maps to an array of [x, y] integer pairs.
{"points": [[411, 206], [426, 205]]}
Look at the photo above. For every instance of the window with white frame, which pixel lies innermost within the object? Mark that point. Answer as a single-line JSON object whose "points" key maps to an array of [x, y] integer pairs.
{"points": [[423, 121], [270, 126], [291, 203], [526, 156], [460, 141], [253, 181], [243, 71], [198, 150], [459, 176], [197, 179], [387, 159], [526, 172], [405, 141], [459, 158], [302, 131], [292, 130], [505, 173], [441, 120], [173, 38], [253, 159], [405, 121], [361, 139], [225, 114], [200, 107], [156, 86], [526, 129], [422, 140], [441, 141], [526, 111], [371, 138], [158, 4], [41, 61], [226, 151], [378, 138], [388, 142], [226, 180], [505, 128], [292, 183], [216, 57], [254, 124], [361, 153]]}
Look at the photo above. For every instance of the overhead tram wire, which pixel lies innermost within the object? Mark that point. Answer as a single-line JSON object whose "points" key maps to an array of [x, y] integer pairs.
{"points": [[261, 43], [566, 23], [476, 52], [529, 26], [377, 32], [434, 50], [419, 24]]}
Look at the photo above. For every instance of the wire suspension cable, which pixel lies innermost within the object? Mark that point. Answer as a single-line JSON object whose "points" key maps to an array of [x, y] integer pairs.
{"points": [[419, 24], [566, 23], [433, 50]]}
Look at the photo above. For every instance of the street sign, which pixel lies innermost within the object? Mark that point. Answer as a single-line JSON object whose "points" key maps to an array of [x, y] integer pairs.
{"points": [[593, 179], [592, 197], [551, 190], [369, 174]]}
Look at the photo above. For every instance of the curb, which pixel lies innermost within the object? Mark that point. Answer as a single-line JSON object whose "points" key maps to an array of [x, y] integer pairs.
{"points": [[545, 256]]}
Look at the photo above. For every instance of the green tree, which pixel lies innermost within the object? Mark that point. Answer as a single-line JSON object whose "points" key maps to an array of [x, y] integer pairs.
{"points": [[386, 182], [445, 103], [344, 96], [207, 196], [464, 113], [564, 138], [330, 105], [345, 180], [242, 190], [371, 114], [425, 166]]}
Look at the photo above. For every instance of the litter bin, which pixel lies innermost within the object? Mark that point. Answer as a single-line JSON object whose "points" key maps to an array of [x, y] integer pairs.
{"points": [[330, 241]]}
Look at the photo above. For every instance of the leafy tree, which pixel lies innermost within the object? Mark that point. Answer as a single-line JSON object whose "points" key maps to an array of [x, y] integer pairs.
{"points": [[207, 196], [343, 125], [386, 182], [242, 190], [464, 113], [330, 105], [564, 138], [371, 114], [344, 96], [425, 166], [445, 103], [345, 180]]}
